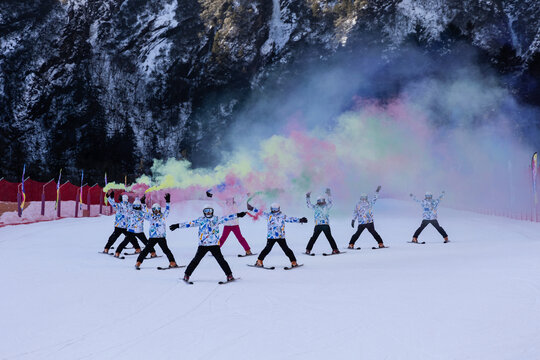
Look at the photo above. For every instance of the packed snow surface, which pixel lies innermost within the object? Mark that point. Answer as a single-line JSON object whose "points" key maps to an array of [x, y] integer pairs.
{"points": [[474, 298]]}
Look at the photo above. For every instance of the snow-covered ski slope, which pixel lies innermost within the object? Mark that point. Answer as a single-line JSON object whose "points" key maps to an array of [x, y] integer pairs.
{"points": [[475, 298]]}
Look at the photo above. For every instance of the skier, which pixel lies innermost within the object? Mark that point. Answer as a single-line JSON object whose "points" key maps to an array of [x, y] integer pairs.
{"points": [[276, 232], [363, 211], [429, 215], [234, 227], [157, 233], [135, 229], [322, 221], [208, 239], [120, 219]]}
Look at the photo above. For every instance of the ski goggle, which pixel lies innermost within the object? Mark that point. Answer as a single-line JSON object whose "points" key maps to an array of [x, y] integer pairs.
{"points": [[208, 211]]}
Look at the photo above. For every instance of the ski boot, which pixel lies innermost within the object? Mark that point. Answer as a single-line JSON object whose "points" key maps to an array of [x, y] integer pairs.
{"points": [[381, 246], [259, 263], [294, 264], [173, 264], [230, 277], [137, 266], [248, 252], [415, 240], [308, 252], [446, 240], [336, 251], [186, 278], [351, 246]]}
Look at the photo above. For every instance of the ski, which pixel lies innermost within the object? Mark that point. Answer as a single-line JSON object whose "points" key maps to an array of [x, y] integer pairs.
{"points": [[130, 254], [358, 248], [376, 247], [244, 255], [171, 267], [262, 267], [119, 257], [104, 253], [228, 281], [419, 243], [310, 254], [292, 267], [155, 257], [187, 282], [341, 252]]}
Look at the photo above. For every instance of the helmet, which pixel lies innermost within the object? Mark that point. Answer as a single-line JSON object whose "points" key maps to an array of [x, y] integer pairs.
{"points": [[208, 211], [321, 200], [363, 197], [156, 208], [125, 198], [275, 208], [137, 204], [429, 195]]}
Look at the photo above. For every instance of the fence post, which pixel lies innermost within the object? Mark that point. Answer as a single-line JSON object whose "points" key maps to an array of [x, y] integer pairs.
{"points": [[100, 203], [77, 199], [43, 204], [58, 208], [19, 200], [88, 202]]}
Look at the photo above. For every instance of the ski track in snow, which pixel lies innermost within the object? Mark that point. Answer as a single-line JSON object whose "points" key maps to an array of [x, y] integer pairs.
{"points": [[477, 297]]}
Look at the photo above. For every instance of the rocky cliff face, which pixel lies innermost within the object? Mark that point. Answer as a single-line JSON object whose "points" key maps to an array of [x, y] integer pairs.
{"points": [[111, 84]]}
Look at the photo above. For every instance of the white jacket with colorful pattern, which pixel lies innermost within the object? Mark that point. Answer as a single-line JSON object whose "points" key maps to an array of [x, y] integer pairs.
{"points": [[363, 211], [122, 212], [322, 212], [158, 227], [136, 219], [276, 223], [208, 228], [429, 207]]}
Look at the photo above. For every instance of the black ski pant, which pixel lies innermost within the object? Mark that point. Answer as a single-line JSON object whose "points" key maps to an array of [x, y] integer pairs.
{"points": [[282, 243], [371, 228], [162, 242], [116, 233], [425, 223], [132, 238], [317, 231], [216, 252]]}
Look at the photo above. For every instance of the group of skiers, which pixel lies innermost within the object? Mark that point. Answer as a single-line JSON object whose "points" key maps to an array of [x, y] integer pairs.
{"points": [[129, 221]]}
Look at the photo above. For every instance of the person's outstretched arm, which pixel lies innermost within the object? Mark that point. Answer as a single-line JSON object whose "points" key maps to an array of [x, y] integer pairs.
{"points": [[308, 200]]}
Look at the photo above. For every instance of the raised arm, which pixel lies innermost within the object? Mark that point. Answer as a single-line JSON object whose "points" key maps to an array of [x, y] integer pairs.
{"points": [[167, 206], [308, 200], [414, 198], [330, 203], [440, 198]]}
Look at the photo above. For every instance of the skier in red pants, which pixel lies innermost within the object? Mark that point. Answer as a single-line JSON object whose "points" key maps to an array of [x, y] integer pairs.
{"points": [[231, 207]]}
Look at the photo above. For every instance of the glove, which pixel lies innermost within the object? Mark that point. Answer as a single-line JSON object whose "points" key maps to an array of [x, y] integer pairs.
{"points": [[328, 192], [241, 214], [303, 220], [411, 195], [249, 207], [308, 194], [174, 227], [209, 194], [352, 224], [111, 195], [167, 197], [378, 188], [443, 192], [143, 199]]}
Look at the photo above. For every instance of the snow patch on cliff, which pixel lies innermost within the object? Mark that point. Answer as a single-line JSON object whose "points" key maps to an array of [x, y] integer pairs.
{"points": [[280, 31]]}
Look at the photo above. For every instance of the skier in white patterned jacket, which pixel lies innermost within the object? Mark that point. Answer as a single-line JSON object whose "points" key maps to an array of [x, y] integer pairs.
{"points": [[208, 233], [429, 215], [276, 232], [157, 232], [363, 212], [120, 219], [135, 229], [322, 221]]}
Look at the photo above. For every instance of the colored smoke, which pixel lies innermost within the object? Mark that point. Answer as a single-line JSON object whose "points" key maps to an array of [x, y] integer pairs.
{"points": [[449, 126]]}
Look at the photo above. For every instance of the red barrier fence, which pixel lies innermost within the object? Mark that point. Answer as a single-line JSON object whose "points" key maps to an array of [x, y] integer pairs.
{"points": [[35, 191]]}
